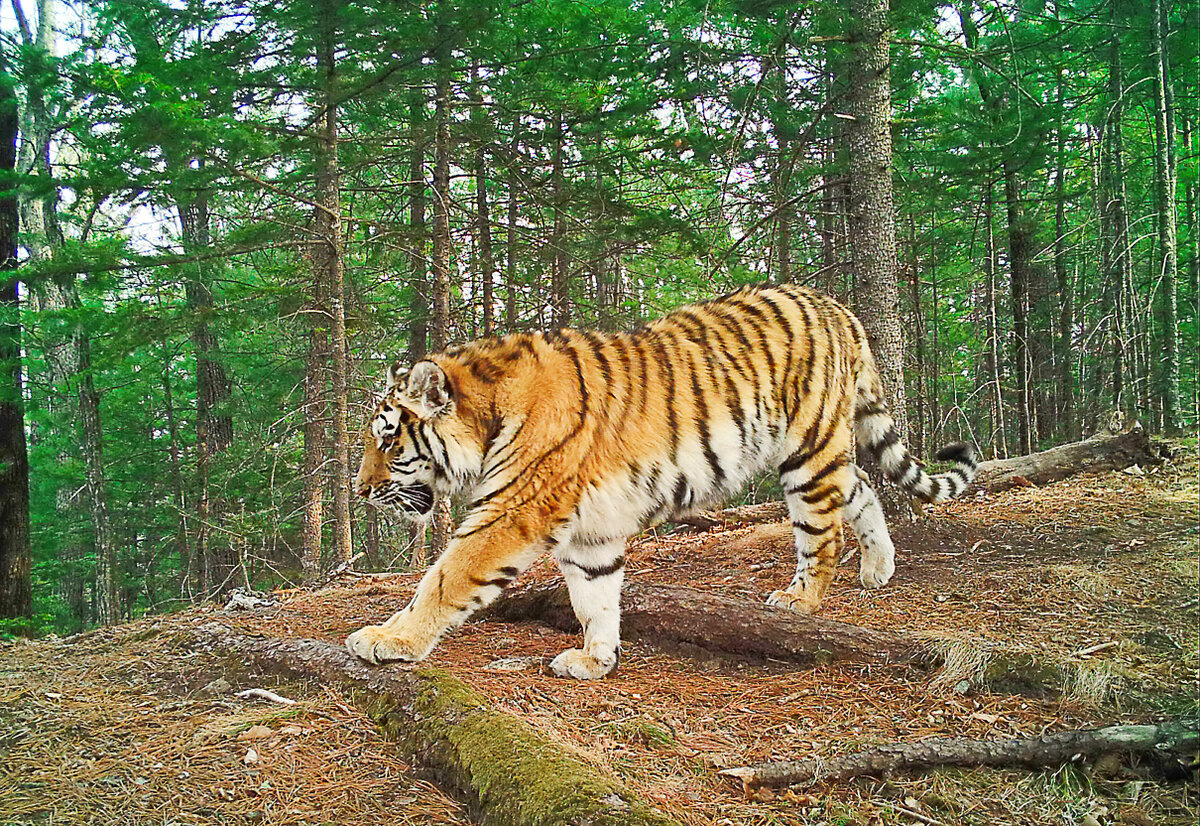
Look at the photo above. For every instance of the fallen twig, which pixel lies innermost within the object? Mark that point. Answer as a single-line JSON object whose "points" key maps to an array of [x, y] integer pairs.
{"points": [[263, 694]]}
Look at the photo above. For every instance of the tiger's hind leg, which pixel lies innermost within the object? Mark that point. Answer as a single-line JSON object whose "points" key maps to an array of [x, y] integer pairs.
{"points": [[815, 494], [594, 574], [864, 514]]}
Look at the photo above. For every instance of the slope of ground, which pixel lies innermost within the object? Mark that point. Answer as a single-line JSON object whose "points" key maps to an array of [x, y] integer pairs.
{"points": [[1099, 572]]}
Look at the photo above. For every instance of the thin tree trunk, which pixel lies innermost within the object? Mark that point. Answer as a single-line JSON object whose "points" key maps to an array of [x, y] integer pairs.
{"points": [[16, 587], [872, 216], [440, 318], [560, 294], [214, 423], [1064, 389], [1164, 202], [992, 357], [1020, 255], [487, 261], [917, 435], [316, 443], [175, 454], [330, 259], [510, 257]]}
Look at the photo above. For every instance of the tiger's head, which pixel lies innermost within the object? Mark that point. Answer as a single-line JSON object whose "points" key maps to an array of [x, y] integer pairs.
{"points": [[404, 459]]}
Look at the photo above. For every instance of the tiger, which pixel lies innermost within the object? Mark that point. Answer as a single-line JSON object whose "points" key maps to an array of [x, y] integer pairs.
{"points": [[570, 442]]}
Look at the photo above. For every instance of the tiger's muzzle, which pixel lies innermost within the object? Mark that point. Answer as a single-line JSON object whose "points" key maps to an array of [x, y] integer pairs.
{"points": [[410, 500]]}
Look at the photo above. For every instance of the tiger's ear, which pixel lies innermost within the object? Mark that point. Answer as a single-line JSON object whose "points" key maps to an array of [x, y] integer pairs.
{"points": [[429, 390], [396, 375]]}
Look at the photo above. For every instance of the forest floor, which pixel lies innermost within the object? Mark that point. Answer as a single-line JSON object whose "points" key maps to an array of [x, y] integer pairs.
{"points": [[1098, 571]]}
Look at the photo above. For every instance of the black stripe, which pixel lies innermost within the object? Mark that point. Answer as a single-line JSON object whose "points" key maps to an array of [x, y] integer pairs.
{"points": [[811, 530], [834, 464], [599, 571]]}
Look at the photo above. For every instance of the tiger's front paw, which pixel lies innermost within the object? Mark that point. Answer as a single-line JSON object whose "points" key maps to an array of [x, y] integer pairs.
{"points": [[805, 602], [577, 663], [377, 645], [875, 571]]}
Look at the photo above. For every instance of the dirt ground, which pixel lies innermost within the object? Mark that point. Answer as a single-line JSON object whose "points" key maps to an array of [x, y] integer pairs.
{"points": [[1098, 572]]}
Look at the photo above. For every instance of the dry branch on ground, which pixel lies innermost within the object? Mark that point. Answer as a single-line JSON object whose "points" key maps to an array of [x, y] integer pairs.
{"points": [[1168, 744]]}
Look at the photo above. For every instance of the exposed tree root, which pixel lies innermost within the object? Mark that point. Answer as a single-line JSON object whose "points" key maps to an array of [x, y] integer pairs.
{"points": [[686, 617], [512, 774], [1169, 746]]}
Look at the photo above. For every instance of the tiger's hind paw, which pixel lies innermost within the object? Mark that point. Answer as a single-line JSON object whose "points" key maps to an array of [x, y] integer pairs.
{"points": [[578, 664]]}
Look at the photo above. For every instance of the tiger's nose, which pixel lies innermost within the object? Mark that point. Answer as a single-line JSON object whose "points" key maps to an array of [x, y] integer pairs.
{"points": [[364, 491]]}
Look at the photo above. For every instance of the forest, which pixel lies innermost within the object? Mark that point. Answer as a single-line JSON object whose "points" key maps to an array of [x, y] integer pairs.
{"points": [[222, 221]]}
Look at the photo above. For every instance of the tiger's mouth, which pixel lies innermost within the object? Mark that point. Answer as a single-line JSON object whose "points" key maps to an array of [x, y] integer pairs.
{"points": [[412, 501]]}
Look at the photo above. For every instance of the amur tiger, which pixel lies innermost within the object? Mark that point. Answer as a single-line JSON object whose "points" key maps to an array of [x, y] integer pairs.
{"points": [[573, 441]]}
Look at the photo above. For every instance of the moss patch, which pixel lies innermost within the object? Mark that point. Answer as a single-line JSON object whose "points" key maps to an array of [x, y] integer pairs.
{"points": [[519, 777]]}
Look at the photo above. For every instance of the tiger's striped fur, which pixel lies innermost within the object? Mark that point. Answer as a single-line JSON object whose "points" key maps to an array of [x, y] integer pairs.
{"points": [[572, 441]]}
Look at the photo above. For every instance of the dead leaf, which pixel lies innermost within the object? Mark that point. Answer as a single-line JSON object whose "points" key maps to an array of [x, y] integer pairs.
{"points": [[255, 733]]}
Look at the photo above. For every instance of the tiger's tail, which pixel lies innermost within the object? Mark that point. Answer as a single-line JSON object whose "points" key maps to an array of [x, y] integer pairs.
{"points": [[876, 431]]}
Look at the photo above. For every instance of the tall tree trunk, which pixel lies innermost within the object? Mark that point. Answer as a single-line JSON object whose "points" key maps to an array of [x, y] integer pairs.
{"points": [[992, 351], [487, 261], [315, 416], [439, 323], [1020, 257], [560, 292], [1064, 389], [1114, 224], [330, 261], [917, 433], [872, 216], [510, 243], [16, 587], [214, 422], [175, 453], [418, 335], [1164, 203]]}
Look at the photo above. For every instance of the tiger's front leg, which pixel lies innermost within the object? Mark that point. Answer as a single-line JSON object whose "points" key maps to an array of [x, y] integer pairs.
{"points": [[470, 574], [594, 574]]}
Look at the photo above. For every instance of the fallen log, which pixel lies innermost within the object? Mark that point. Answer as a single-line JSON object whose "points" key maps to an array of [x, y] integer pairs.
{"points": [[1170, 745], [1099, 453], [681, 617], [742, 515], [511, 774]]}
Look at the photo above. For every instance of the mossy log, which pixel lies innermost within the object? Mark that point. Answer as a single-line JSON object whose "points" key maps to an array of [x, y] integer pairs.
{"points": [[510, 773], [1169, 746], [675, 616]]}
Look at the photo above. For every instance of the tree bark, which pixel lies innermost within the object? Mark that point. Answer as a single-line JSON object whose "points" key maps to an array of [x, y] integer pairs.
{"points": [[1164, 203], [330, 260], [483, 222], [439, 323], [1167, 744], [992, 347], [872, 216], [214, 423], [16, 587], [688, 619], [560, 293]]}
